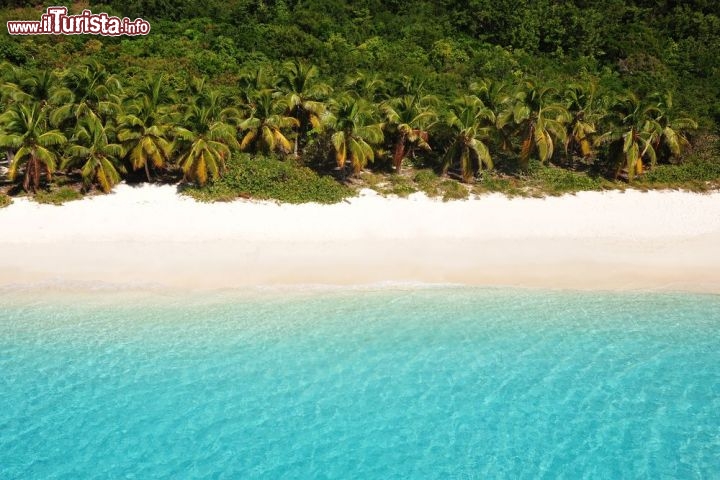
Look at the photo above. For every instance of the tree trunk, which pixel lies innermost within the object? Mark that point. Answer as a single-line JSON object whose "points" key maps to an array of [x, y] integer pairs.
{"points": [[147, 171], [26, 179], [37, 173], [399, 152], [527, 148], [302, 131]]}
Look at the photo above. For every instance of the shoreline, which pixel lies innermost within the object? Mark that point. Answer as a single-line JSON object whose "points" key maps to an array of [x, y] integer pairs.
{"points": [[150, 235]]}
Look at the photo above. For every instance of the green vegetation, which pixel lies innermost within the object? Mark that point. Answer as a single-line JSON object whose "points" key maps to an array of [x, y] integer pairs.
{"points": [[5, 200], [694, 174], [57, 196], [551, 180], [267, 178], [399, 185], [323, 97], [426, 181]]}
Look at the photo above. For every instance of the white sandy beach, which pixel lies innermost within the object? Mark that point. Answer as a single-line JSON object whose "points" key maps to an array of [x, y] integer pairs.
{"points": [[152, 235]]}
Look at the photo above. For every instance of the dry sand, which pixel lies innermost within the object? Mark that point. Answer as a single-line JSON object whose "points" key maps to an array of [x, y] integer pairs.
{"points": [[152, 235]]}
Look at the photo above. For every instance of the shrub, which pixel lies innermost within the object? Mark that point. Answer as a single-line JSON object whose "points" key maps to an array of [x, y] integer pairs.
{"points": [[698, 170], [453, 190], [427, 181], [268, 178], [57, 196], [5, 200], [557, 181], [400, 186]]}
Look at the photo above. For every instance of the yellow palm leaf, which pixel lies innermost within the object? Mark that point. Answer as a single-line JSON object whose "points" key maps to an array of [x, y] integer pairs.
{"points": [[585, 147], [283, 142], [201, 170], [248, 139]]}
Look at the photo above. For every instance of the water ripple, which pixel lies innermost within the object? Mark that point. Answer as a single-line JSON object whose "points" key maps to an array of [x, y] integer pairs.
{"points": [[427, 383]]}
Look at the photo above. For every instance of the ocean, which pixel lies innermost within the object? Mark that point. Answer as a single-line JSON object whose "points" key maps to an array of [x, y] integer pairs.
{"points": [[376, 382]]}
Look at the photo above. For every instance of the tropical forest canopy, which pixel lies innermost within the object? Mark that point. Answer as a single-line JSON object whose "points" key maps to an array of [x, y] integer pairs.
{"points": [[465, 85]]}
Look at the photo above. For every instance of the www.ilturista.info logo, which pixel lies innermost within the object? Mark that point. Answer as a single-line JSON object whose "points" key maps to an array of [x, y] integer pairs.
{"points": [[56, 21]]}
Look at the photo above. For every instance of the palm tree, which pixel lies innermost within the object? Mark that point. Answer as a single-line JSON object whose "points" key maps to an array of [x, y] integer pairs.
{"points": [[23, 86], [145, 130], [586, 108], [24, 129], [201, 96], [252, 82], [368, 86], [195, 90], [634, 135], [263, 129], [304, 97], [673, 136], [100, 159], [470, 121], [408, 118], [407, 85], [207, 140], [41, 87], [91, 92], [496, 96], [355, 131], [156, 92], [538, 118]]}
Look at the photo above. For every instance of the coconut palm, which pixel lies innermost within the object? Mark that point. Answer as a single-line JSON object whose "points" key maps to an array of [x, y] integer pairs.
{"points": [[354, 132], [206, 143], [633, 136], [496, 96], [471, 122], [538, 118], [674, 127], [252, 82], [586, 107], [195, 90], [304, 97], [24, 130], [408, 119], [266, 124], [198, 93], [156, 91], [145, 130], [91, 92], [97, 156], [201, 96], [368, 86], [43, 87], [407, 85]]}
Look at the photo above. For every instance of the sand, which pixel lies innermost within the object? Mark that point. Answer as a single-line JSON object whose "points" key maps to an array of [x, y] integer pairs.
{"points": [[150, 235]]}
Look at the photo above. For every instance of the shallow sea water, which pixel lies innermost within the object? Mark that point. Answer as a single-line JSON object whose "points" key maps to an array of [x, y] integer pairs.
{"points": [[367, 383]]}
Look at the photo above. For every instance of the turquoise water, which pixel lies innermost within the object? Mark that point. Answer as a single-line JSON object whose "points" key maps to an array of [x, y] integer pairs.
{"points": [[393, 383]]}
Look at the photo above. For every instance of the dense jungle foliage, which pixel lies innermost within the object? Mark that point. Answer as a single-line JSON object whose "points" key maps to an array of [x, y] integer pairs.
{"points": [[490, 92]]}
